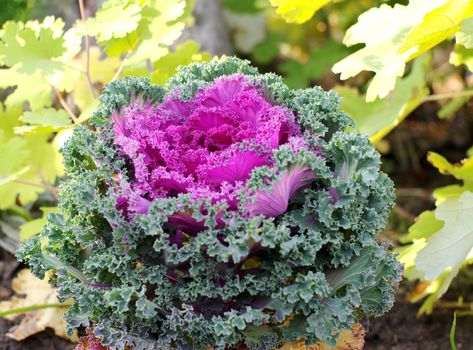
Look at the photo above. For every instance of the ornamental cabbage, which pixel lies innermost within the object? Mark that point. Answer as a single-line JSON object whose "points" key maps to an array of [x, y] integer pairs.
{"points": [[222, 210]]}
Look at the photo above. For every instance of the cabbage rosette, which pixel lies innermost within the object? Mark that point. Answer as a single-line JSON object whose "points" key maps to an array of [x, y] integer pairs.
{"points": [[221, 210]]}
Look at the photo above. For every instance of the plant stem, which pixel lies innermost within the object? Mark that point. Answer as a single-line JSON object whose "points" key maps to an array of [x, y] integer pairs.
{"points": [[22, 310], [65, 106], [50, 188], [120, 69], [448, 95], [87, 50]]}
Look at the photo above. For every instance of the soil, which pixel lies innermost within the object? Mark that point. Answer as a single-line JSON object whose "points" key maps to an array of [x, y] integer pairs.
{"points": [[401, 330], [42, 341]]}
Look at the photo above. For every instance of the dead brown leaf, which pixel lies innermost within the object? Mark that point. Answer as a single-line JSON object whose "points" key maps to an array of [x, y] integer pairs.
{"points": [[29, 291], [353, 339]]}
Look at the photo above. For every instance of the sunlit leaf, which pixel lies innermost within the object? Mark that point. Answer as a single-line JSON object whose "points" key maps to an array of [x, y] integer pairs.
{"points": [[115, 19], [378, 118], [160, 25], [425, 226], [32, 88], [462, 171], [384, 34], [87, 111], [102, 71], [33, 47], [298, 11], [437, 26], [9, 119], [448, 249]]}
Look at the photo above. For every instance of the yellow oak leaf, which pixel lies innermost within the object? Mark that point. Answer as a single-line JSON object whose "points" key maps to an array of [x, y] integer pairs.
{"points": [[31, 291], [353, 339]]}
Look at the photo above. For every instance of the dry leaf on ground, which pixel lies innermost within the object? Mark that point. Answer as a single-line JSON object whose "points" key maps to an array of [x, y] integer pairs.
{"points": [[29, 291], [353, 339]]}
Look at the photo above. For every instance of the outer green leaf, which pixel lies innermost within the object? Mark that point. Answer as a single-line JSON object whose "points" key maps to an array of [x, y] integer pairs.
{"points": [[383, 34], [115, 19], [298, 11], [448, 249], [437, 26], [463, 171], [185, 53], [465, 36], [378, 118]]}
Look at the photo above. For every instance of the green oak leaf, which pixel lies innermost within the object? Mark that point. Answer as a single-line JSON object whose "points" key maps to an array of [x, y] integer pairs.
{"points": [[45, 121], [186, 53], [161, 24], [462, 55], [33, 47], [115, 19]]}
